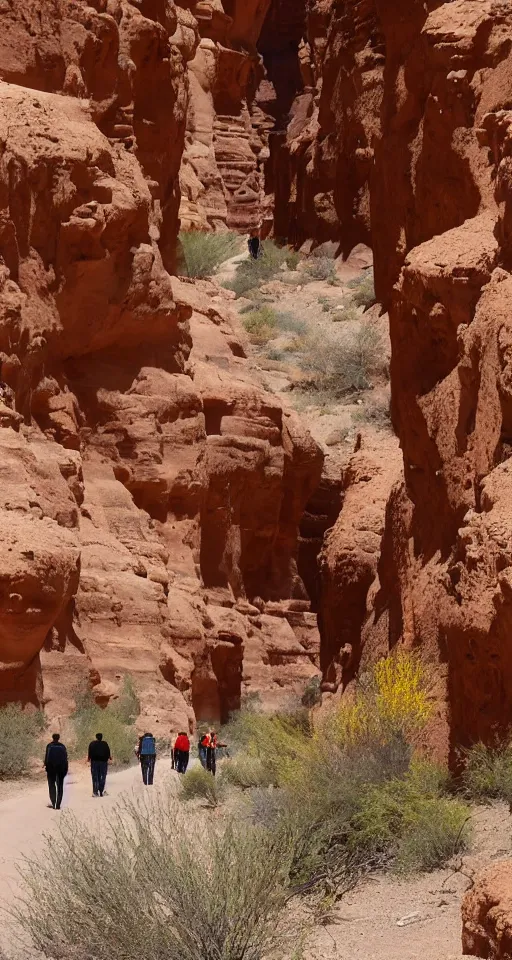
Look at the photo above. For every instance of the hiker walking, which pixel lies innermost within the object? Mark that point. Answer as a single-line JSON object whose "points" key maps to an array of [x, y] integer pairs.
{"points": [[99, 757], [202, 747], [56, 766], [254, 244], [211, 744], [145, 751], [181, 753]]}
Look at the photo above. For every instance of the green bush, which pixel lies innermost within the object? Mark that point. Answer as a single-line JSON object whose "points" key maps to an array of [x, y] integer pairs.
{"points": [[198, 784], [312, 693], [153, 887], [488, 772], [19, 730], [364, 290], [115, 722], [260, 324], [200, 253], [252, 274]]}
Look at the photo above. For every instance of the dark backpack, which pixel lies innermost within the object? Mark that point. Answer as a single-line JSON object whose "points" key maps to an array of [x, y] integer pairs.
{"points": [[56, 755], [147, 747]]}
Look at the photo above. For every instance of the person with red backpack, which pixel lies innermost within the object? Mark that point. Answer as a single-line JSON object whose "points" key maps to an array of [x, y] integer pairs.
{"points": [[181, 753], [145, 752], [210, 744]]}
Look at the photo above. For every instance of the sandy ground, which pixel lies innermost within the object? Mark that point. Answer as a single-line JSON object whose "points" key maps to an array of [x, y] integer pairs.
{"points": [[417, 918]]}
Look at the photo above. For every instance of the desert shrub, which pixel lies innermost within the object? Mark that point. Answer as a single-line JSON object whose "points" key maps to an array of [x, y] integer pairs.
{"points": [[253, 273], [364, 289], [19, 730], [346, 314], [410, 821], [376, 412], [488, 772], [200, 253], [312, 693], [320, 268], [260, 324], [153, 887], [198, 784], [345, 363], [115, 722], [326, 304], [247, 772], [291, 323]]}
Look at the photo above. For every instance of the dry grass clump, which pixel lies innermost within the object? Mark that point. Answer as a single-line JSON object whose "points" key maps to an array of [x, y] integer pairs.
{"points": [[377, 413], [346, 362], [321, 268], [200, 254], [260, 324]]}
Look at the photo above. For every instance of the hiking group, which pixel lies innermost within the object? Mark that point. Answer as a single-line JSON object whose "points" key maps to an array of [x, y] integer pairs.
{"points": [[99, 757]]}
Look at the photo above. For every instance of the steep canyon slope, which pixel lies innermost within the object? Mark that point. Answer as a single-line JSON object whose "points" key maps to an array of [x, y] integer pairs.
{"points": [[401, 138], [151, 490]]}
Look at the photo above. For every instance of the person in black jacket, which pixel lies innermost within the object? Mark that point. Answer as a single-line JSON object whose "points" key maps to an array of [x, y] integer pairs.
{"points": [[56, 766], [99, 757]]}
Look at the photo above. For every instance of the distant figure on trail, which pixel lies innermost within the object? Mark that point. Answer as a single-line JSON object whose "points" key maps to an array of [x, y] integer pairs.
{"points": [[99, 757], [254, 244], [211, 744], [145, 751], [181, 753], [56, 766], [201, 748]]}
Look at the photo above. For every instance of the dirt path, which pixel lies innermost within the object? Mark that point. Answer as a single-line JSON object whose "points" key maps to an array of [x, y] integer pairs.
{"points": [[26, 819], [385, 918]]}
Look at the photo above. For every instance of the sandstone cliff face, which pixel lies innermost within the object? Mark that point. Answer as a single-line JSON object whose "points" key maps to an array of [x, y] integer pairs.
{"points": [[407, 129], [151, 490], [227, 131], [486, 913]]}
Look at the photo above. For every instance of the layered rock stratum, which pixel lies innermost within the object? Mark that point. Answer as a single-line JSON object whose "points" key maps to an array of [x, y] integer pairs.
{"points": [[151, 489]]}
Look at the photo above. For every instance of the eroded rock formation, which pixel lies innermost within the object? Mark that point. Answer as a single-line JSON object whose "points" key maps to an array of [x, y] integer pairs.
{"points": [[487, 914], [227, 131], [152, 491], [401, 138]]}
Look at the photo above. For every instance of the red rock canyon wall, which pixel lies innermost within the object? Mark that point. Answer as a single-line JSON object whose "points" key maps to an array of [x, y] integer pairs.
{"points": [[151, 490], [401, 138]]}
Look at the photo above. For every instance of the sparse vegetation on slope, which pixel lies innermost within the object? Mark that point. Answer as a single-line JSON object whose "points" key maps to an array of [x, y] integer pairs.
{"points": [[251, 273]]}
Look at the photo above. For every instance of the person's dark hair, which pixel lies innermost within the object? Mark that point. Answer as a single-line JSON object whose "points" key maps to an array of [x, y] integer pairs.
{"points": [[146, 735], [99, 736], [55, 737], [182, 733]]}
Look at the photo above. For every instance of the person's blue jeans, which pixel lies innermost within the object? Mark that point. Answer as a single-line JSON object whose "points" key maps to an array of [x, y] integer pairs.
{"points": [[147, 765], [99, 775], [202, 756]]}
